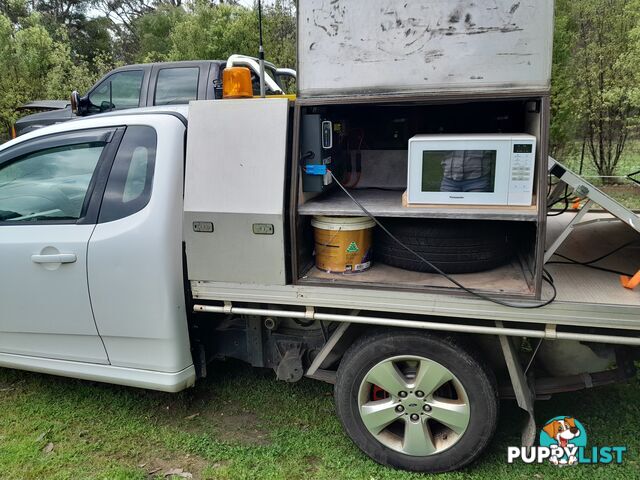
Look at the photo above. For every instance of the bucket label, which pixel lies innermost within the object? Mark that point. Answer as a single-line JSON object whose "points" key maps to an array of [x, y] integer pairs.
{"points": [[352, 248]]}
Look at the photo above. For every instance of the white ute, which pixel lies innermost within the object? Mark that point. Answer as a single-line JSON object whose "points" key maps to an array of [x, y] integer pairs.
{"points": [[138, 246]]}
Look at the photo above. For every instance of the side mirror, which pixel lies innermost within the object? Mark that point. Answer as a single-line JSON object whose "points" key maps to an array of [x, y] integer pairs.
{"points": [[75, 101]]}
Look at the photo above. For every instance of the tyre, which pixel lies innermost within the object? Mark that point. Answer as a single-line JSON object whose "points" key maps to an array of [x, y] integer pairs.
{"points": [[417, 402], [452, 246]]}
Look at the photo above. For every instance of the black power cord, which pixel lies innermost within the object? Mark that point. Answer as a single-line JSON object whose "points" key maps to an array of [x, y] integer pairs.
{"points": [[595, 267], [589, 264], [546, 276]]}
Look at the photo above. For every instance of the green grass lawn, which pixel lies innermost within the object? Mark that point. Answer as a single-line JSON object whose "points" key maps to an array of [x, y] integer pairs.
{"points": [[241, 423], [625, 191]]}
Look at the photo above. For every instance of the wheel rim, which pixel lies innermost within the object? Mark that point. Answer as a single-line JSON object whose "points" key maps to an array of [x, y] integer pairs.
{"points": [[414, 405]]}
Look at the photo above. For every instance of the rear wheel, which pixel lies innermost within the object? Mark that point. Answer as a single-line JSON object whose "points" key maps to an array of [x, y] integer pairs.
{"points": [[415, 401]]}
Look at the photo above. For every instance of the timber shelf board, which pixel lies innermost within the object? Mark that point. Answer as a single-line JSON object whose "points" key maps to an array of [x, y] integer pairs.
{"points": [[389, 203], [508, 279]]}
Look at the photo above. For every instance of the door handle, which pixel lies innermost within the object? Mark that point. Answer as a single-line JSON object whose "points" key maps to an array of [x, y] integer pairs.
{"points": [[55, 258]]}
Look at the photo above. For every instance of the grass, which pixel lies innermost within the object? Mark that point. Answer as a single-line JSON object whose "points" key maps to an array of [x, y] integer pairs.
{"points": [[625, 191], [240, 423]]}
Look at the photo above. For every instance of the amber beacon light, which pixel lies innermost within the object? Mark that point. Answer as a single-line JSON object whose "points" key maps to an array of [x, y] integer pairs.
{"points": [[236, 83]]}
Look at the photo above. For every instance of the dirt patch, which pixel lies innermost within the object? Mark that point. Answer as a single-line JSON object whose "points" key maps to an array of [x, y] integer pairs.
{"points": [[240, 428], [202, 412], [229, 424], [156, 461], [312, 465], [180, 466]]}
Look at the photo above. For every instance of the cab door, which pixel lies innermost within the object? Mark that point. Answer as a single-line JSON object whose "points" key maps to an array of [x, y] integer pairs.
{"points": [[49, 200]]}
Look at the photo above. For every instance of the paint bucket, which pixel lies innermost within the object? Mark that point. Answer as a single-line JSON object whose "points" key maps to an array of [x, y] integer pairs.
{"points": [[342, 244]]}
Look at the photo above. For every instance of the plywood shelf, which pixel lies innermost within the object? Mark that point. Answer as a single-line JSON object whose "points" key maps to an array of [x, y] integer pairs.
{"points": [[389, 203], [508, 279]]}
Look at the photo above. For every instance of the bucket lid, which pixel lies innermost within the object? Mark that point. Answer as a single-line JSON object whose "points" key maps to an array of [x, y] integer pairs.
{"points": [[342, 223]]}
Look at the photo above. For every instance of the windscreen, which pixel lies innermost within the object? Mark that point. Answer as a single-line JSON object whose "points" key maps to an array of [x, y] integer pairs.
{"points": [[458, 170]]}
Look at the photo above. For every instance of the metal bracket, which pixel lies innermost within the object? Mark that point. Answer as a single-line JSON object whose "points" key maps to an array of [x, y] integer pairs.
{"points": [[524, 395], [255, 350], [550, 332], [228, 307], [567, 231], [589, 191], [309, 313], [326, 350]]}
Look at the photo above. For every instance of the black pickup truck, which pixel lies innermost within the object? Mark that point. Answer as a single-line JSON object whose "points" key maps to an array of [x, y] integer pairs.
{"points": [[165, 83]]}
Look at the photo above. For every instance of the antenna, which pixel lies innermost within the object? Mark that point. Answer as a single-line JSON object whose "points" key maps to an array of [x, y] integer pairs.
{"points": [[261, 51]]}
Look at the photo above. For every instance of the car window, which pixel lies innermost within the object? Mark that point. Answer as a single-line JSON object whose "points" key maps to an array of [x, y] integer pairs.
{"points": [[129, 186], [118, 91], [176, 85], [49, 184]]}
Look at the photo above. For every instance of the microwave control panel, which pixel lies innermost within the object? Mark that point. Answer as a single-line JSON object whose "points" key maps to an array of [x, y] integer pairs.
{"points": [[523, 153]]}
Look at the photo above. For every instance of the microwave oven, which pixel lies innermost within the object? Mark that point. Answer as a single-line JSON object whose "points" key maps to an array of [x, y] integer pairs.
{"points": [[478, 169]]}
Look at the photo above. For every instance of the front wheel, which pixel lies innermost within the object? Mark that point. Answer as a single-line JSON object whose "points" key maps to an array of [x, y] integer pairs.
{"points": [[415, 401]]}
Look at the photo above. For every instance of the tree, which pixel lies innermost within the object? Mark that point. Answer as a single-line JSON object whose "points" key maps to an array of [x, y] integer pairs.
{"points": [[602, 75], [564, 122], [280, 33], [14, 9], [153, 33], [215, 31], [34, 65]]}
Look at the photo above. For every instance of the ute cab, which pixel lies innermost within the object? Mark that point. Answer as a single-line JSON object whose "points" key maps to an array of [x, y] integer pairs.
{"points": [[152, 84]]}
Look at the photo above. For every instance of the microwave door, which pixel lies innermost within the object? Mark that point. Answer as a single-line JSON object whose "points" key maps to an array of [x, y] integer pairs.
{"points": [[459, 172]]}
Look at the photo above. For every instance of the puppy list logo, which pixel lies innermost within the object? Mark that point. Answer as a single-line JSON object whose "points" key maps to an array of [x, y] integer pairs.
{"points": [[563, 442]]}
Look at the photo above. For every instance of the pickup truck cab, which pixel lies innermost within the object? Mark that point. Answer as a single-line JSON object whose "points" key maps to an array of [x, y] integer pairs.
{"points": [[153, 84]]}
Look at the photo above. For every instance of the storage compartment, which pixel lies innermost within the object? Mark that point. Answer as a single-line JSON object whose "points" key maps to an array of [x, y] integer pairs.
{"points": [[507, 273], [234, 206], [364, 148]]}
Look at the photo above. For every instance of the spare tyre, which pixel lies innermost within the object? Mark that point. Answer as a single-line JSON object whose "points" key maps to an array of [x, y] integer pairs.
{"points": [[454, 246]]}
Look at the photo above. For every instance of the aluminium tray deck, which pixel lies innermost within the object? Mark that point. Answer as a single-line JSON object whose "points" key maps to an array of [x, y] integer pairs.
{"points": [[585, 299]]}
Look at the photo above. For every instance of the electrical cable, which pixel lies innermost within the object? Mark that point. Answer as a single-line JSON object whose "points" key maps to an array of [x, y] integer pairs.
{"points": [[589, 263], [566, 199], [561, 211], [595, 267], [546, 276], [608, 254]]}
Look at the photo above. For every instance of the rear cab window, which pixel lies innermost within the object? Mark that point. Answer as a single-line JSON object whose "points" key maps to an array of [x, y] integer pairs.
{"points": [[176, 85], [130, 182]]}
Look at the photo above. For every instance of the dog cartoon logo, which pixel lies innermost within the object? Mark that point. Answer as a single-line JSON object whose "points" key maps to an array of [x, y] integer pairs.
{"points": [[564, 435]]}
